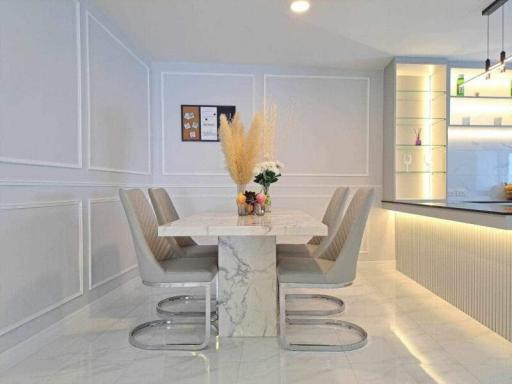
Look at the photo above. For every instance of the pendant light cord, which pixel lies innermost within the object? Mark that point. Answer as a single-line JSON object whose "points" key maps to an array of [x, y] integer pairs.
{"points": [[503, 55], [488, 61], [488, 55], [503, 27]]}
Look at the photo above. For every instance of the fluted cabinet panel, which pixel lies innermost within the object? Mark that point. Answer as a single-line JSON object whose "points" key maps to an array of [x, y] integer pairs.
{"points": [[467, 265]]}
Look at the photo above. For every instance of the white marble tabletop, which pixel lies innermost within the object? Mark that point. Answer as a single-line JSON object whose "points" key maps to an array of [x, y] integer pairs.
{"points": [[277, 223]]}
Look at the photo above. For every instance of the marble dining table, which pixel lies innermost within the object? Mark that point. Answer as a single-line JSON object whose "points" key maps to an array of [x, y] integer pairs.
{"points": [[247, 281]]}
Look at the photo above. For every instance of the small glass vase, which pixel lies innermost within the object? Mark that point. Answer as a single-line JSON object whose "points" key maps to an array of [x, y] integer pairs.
{"points": [[250, 208], [268, 201], [268, 204], [242, 207], [242, 210], [259, 209]]}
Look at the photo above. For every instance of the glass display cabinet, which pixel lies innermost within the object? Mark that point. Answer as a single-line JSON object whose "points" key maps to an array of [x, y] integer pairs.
{"points": [[415, 130]]}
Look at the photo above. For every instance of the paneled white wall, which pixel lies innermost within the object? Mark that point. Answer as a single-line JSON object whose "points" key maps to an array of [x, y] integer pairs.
{"points": [[39, 242], [326, 122], [118, 100], [329, 134], [111, 251], [40, 101], [64, 238]]}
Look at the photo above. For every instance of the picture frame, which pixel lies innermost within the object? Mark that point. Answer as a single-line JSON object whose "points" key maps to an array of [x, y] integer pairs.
{"points": [[201, 123]]}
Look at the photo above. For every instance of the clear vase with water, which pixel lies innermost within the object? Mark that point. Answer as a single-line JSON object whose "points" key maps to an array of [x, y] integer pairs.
{"points": [[268, 201]]}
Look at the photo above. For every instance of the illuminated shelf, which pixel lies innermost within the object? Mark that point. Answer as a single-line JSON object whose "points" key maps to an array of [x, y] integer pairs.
{"points": [[421, 172], [422, 118], [417, 91], [420, 123], [423, 146], [480, 126], [418, 95], [483, 97]]}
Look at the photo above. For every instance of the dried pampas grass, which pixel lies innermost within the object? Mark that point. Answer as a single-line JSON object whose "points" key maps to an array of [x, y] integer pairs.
{"points": [[269, 133], [240, 149]]}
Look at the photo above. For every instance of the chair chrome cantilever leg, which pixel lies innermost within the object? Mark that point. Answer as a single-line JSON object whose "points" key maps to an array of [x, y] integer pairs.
{"points": [[283, 320], [340, 305], [169, 323], [160, 307], [186, 299]]}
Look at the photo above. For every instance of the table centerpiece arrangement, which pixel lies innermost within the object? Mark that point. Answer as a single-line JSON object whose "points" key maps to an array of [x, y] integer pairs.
{"points": [[242, 151]]}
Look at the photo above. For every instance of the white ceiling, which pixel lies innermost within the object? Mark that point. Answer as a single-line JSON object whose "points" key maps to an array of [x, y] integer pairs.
{"points": [[334, 33]]}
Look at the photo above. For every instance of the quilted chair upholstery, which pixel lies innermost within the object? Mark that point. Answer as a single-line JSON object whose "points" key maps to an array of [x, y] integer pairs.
{"points": [[166, 213]]}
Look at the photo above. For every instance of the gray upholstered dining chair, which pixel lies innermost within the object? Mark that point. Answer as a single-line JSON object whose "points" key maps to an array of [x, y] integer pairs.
{"points": [[166, 212], [314, 248], [334, 268], [159, 266], [337, 204]]}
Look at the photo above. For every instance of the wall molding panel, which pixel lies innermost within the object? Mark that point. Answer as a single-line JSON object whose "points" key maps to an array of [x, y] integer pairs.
{"points": [[366, 79], [46, 244], [79, 255], [88, 17], [70, 184], [163, 74], [78, 163], [93, 285]]}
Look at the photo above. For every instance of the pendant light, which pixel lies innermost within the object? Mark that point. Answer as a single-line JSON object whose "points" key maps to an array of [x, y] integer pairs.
{"points": [[503, 55], [503, 59], [488, 61]]}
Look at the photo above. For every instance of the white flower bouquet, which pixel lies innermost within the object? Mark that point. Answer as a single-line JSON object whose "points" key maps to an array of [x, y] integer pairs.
{"points": [[266, 173]]}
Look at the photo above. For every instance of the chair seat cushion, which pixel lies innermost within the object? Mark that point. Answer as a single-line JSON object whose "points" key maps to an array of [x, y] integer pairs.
{"points": [[200, 251], [188, 269], [296, 250], [305, 270]]}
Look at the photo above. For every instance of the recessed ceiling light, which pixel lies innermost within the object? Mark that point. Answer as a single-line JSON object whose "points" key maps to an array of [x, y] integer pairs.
{"points": [[300, 6]]}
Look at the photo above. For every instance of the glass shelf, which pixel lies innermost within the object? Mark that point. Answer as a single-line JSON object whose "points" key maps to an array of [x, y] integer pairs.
{"points": [[421, 172], [417, 91], [480, 126], [423, 146], [483, 97], [420, 123], [412, 95], [422, 118]]}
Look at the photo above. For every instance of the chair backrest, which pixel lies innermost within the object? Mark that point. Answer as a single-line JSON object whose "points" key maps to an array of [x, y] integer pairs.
{"points": [[150, 248], [167, 213], [335, 208], [344, 249]]}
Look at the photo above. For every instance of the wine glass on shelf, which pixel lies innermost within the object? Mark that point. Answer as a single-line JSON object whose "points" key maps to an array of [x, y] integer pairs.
{"points": [[407, 160], [428, 160]]}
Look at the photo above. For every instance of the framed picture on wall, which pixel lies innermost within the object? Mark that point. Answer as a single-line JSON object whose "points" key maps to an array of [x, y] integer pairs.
{"points": [[202, 122]]}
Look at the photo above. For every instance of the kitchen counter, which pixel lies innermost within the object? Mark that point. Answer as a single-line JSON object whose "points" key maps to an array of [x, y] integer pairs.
{"points": [[461, 251], [495, 214]]}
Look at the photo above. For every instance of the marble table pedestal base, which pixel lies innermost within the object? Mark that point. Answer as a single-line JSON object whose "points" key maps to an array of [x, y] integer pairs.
{"points": [[247, 286]]}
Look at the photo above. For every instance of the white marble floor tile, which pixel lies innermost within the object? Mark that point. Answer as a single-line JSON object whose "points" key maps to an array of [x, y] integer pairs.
{"points": [[382, 373], [440, 373], [414, 337]]}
